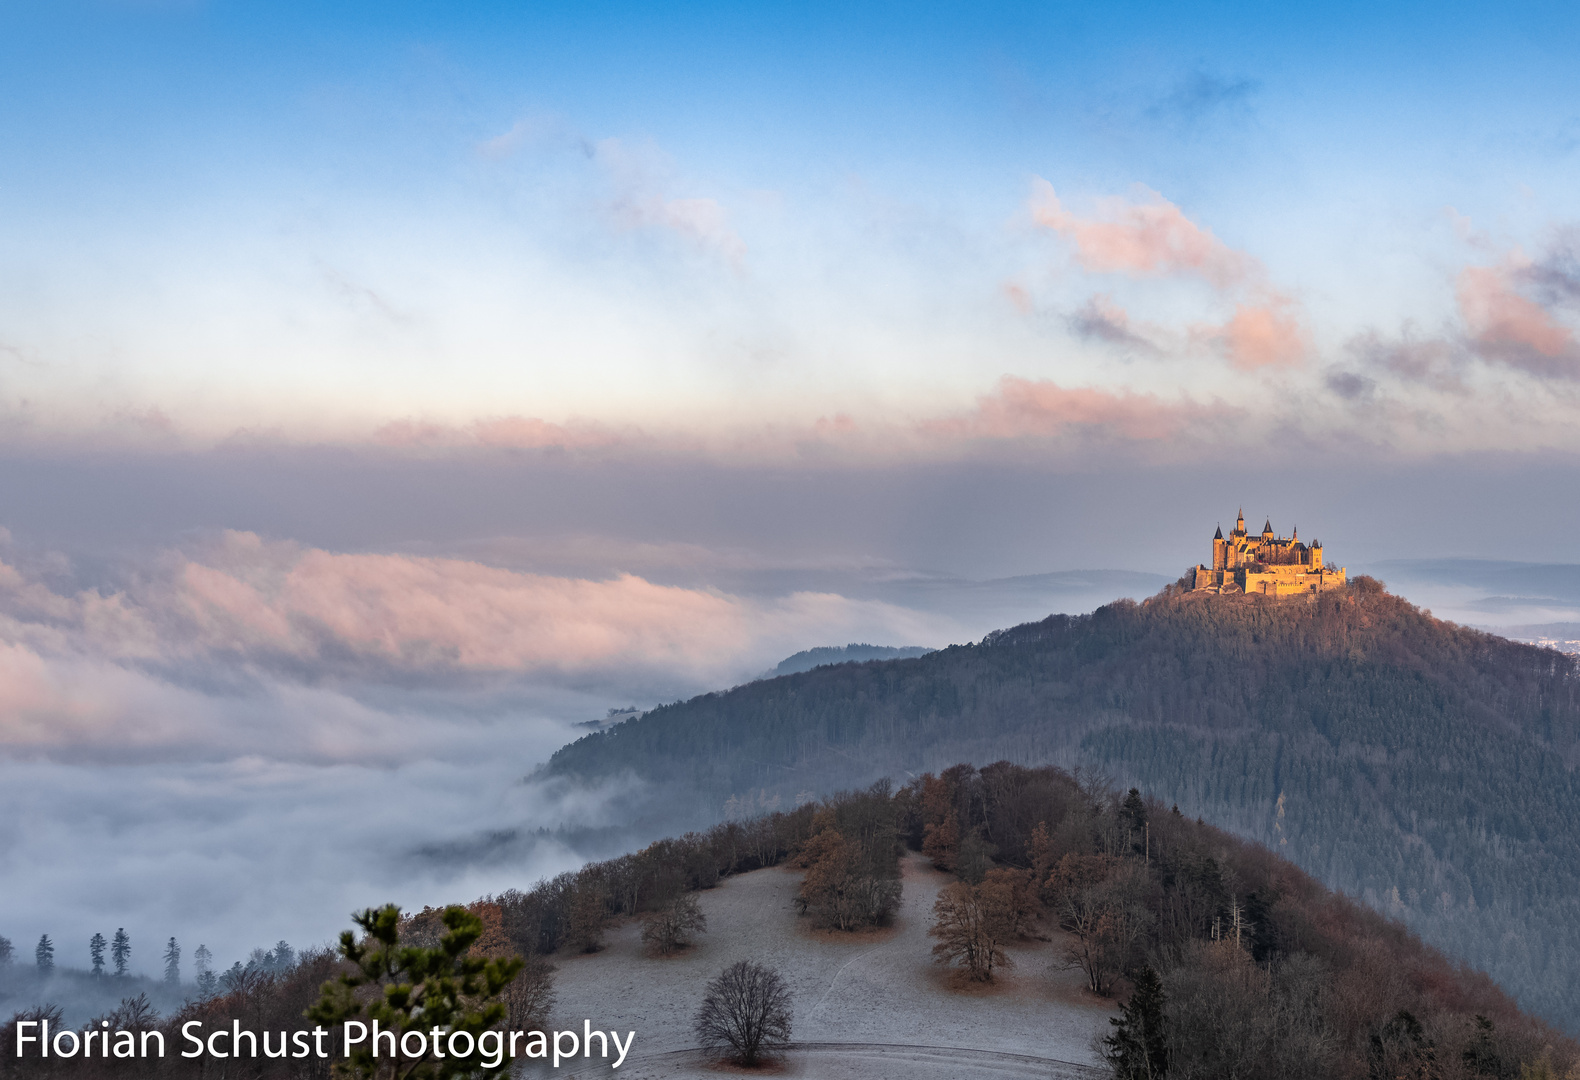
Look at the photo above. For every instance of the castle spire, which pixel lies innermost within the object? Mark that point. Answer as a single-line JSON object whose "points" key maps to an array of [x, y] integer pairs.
{"points": [[1219, 534]]}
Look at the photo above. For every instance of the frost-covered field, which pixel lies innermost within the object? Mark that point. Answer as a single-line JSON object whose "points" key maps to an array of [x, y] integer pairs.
{"points": [[866, 1006]]}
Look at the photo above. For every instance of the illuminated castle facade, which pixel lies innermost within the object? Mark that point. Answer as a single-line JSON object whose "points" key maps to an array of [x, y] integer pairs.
{"points": [[1267, 564]]}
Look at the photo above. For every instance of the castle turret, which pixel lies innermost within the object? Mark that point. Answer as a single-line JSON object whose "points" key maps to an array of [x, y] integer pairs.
{"points": [[1239, 525], [1267, 530]]}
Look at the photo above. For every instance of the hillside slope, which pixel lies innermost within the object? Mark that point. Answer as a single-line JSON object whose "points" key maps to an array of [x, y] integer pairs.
{"points": [[1426, 767], [865, 1005]]}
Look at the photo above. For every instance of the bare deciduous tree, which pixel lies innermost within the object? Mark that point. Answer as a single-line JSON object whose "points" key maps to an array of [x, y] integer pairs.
{"points": [[132, 1014], [530, 994], [669, 929], [1106, 926], [747, 1008]]}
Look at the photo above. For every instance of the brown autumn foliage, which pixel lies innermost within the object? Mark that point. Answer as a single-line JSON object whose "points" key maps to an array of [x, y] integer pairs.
{"points": [[972, 923], [1016, 891], [852, 862], [1264, 971], [494, 942], [940, 828], [1074, 874]]}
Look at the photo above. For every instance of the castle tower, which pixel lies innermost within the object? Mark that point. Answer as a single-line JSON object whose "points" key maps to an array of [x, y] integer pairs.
{"points": [[1239, 525], [1220, 550], [1267, 530]]}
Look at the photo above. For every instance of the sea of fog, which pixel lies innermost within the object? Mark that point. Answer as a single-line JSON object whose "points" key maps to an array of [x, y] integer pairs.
{"points": [[235, 742]]}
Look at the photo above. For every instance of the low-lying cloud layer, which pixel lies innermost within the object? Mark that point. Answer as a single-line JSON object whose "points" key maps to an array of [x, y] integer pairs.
{"points": [[241, 626], [234, 741]]}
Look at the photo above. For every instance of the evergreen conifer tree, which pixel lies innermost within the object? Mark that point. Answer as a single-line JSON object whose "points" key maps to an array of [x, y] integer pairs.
{"points": [[44, 954], [1133, 815], [420, 990], [284, 957], [1138, 1047], [1480, 1055], [7, 951], [96, 945], [207, 982], [121, 951], [172, 963]]}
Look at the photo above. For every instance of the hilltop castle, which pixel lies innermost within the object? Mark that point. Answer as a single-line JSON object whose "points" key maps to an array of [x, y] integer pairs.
{"points": [[1267, 564]]}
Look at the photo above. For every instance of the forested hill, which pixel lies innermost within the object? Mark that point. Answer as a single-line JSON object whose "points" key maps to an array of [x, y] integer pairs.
{"points": [[1423, 766]]}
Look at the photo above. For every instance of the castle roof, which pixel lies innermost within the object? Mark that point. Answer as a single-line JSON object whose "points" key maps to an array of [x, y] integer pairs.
{"points": [[1268, 527], [1219, 534]]}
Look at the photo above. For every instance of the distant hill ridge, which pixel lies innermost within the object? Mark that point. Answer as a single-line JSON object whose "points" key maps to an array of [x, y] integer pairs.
{"points": [[807, 659], [1423, 766]]}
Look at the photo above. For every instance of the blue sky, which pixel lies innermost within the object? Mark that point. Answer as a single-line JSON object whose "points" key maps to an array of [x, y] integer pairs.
{"points": [[207, 208]]}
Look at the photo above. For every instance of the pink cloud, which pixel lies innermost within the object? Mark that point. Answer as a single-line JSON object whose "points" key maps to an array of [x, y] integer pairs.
{"points": [[528, 433], [1510, 328], [641, 202], [1154, 239], [406, 433], [1025, 408], [1146, 239], [1266, 334], [429, 613], [308, 609], [76, 668]]}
